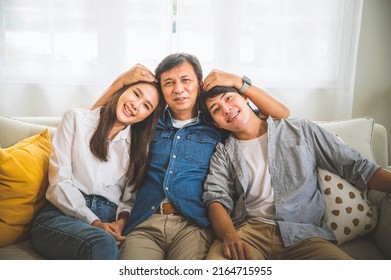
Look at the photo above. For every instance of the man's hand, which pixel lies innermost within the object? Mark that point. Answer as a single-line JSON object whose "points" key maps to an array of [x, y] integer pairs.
{"points": [[236, 249], [221, 78], [233, 247], [137, 73]]}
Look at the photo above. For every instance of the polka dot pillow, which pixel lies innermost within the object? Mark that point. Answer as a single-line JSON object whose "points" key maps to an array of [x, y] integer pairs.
{"points": [[348, 211]]}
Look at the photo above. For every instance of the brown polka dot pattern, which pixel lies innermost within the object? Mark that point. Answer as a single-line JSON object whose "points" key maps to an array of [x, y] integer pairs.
{"points": [[348, 211]]}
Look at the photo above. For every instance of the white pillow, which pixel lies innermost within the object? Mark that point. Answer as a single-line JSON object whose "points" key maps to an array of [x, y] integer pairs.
{"points": [[357, 133], [348, 211]]}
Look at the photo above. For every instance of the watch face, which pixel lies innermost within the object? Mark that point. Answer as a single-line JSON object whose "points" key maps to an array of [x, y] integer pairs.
{"points": [[247, 80]]}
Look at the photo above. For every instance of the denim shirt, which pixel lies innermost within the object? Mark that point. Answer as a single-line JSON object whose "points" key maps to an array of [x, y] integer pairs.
{"points": [[178, 164], [295, 149]]}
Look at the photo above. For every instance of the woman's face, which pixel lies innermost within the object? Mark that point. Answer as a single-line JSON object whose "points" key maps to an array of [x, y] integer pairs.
{"points": [[137, 103]]}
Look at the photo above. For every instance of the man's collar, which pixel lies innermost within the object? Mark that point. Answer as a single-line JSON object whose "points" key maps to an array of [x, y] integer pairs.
{"points": [[167, 114]]}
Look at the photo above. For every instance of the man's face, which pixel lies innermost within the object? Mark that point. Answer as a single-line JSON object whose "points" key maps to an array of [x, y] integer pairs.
{"points": [[180, 90], [229, 111]]}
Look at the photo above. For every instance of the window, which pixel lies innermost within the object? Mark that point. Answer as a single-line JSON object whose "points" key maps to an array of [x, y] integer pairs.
{"points": [[283, 45]]}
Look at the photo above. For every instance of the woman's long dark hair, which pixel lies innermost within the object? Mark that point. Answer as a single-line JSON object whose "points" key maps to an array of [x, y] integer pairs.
{"points": [[141, 136]]}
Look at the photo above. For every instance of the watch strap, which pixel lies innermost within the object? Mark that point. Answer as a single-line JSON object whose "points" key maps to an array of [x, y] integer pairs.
{"points": [[246, 84]]}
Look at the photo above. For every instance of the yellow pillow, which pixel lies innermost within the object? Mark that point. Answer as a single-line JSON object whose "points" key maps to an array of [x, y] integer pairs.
{"points": [[23, 184]]}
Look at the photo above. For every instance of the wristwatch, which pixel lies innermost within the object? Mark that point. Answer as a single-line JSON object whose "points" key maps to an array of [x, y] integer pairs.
{"points": [[246, 84]]}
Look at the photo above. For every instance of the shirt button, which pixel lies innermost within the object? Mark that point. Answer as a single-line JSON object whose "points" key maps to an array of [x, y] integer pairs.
{"points": [[178, 137], [170, 172], [153, 207], [166, 188], [174, 156]]}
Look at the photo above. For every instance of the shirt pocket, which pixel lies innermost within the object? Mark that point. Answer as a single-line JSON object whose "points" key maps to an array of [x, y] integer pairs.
{"points": [[199, 148], [160, 145], [297, 162]]}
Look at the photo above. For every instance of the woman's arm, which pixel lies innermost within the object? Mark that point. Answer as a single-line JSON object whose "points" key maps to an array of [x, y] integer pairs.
{"points": [[61, 191], [261, 99]]}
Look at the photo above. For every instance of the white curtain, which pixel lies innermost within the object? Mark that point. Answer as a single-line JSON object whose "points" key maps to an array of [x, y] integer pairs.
{"points": [[57, 54]]}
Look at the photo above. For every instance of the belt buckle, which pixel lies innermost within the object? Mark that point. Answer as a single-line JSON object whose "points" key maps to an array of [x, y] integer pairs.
{"points": [[162, 209]]}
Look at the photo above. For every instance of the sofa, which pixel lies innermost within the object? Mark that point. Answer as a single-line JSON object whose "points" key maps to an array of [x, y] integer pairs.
{"points": [[368, 238]]}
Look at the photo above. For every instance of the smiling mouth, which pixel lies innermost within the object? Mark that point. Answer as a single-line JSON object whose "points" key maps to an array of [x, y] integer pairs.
{"points": [[233, 117], [180, 99], [128, 111]]}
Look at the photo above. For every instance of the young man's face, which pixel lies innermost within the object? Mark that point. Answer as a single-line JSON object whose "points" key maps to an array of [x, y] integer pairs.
{"points": [[230, 111], [180, 90]]}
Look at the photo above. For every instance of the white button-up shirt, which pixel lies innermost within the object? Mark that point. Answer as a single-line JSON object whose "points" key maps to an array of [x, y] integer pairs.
{"points": [[73, 168]]}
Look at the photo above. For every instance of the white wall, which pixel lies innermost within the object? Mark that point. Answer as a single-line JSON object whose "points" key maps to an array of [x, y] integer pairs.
{"points": [[372, 95]]}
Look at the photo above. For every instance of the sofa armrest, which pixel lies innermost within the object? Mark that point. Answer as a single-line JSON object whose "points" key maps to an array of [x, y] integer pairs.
{"points": [[379, 145], [382, 233]]}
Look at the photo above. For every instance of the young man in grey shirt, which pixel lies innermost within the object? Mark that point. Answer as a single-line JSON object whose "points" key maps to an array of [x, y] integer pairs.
{"points": [[262, 193]]}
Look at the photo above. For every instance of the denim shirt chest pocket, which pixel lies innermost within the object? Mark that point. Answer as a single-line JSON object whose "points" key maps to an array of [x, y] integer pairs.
{"points": [[199, 147], [161, 144]]}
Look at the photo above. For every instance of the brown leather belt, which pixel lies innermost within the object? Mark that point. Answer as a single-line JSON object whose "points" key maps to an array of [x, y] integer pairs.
{"points": [[166, 209]]}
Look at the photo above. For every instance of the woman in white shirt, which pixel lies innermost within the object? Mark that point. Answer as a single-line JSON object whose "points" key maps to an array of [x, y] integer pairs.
{"points": [[98, 156]]}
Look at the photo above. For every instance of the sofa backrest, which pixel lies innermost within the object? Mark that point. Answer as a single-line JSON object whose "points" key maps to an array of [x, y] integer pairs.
{"points": [[14, 130]]}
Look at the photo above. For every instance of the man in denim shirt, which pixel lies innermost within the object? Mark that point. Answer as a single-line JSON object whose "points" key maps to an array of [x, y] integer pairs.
{"points": [[263, 181], [168, 220]]}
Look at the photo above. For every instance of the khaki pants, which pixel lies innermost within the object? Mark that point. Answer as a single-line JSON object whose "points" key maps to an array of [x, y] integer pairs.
{"points": [[266, 243], [172, 237]]}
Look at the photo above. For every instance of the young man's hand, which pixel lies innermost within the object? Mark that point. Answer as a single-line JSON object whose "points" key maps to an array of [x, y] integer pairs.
{"points": [[236, 249]]}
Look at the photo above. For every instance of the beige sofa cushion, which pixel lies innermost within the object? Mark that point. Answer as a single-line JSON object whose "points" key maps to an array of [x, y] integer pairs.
{"points": [[357, 133], [13, 131], [382, 233]]}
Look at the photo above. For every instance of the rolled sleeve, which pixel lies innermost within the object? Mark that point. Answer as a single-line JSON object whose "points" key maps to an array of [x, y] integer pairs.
{"points": [[127, 200], [334, 155], [218, 185]]}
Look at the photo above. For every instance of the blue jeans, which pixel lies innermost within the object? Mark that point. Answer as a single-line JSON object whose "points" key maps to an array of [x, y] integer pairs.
{"points": [[58, 236]]}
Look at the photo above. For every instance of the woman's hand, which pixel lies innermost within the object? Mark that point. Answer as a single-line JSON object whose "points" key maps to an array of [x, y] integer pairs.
{"points": [[114, 229]]}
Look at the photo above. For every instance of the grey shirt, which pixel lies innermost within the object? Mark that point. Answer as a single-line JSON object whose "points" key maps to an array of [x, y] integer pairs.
{"points": [[296, 148]]}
